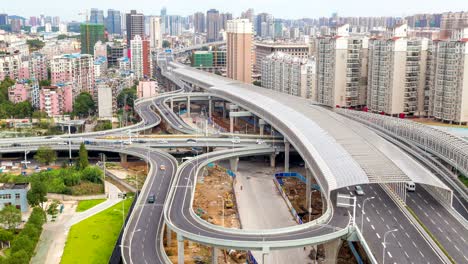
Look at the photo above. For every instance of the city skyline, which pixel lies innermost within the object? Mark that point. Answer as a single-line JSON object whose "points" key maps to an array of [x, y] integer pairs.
{"points": [[69, 10]]}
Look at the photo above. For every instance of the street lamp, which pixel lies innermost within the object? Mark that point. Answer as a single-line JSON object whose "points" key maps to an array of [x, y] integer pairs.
{"points": [[384, 245], [363, 213]]}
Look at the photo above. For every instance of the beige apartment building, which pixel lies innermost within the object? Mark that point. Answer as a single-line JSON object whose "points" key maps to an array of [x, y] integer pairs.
{"points": [[239, 50], [397, 74], [341, 69]]}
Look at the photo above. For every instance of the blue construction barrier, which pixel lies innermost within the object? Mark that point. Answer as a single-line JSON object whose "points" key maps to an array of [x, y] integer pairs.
{"points": [[355, 253], [250, 258], [296, 175], [231, 173]]}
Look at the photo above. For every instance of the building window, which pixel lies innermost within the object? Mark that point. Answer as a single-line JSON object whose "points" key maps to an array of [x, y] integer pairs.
{"points": [[17, 195]]}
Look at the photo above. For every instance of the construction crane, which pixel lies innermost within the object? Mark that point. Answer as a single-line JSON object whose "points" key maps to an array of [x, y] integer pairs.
{"points": [[86, 14]]}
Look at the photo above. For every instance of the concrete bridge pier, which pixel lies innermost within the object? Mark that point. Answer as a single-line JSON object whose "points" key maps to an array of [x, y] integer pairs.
{"points": [[273, 160], [214, 255], [287, 146], [234, 163], [261, 122], [308, 204], [168, 236], [188, 105], [123, 158], [180, 248], [210, 108], [331, 250], [224, 109], [231, 124], [172, 104], [265, 252]]}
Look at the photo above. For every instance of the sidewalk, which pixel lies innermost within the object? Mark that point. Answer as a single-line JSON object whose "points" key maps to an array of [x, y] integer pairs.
{"points": [[261, 207], [54, 235]]}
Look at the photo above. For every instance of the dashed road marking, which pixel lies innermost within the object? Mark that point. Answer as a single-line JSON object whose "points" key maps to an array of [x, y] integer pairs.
{"points": [[414, 244], [372, 226], [448, 238], [367, 218], [406, 233], [421, 253], [383, 220], [406, 254], [456, 247], [390, 255], [377, 234]]}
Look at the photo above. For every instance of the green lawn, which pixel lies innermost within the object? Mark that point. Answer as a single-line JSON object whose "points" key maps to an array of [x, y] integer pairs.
{"points": [[93, 239], [86, 204]]}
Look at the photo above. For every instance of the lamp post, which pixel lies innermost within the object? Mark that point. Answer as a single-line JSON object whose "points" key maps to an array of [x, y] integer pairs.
{"points": [[363, 213], [384, 245]]}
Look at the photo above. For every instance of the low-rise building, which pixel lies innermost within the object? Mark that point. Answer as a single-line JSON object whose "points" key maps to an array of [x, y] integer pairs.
{"points": [[146, 89], [24, 90], [56, 100], [105, 101], [14, 194], [100, 66]]}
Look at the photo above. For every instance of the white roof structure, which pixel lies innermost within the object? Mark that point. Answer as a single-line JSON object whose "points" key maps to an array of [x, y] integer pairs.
{"points": [[339, 151]]}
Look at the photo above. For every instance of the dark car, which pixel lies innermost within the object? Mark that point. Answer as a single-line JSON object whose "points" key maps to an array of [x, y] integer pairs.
{"points": [[16, 145], [151, 198]]}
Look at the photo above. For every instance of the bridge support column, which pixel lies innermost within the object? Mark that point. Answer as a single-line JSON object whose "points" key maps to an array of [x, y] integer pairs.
{"points": [[331, 250], [255, 124], [308, 204], [188, 106], [265, 252], [273, 160], [123, 158], [231, 124], [261, 122], [224, 109], [180, 249], [214, 255], [210, 108], [234, 163], [168, 236], [286, 155], [172, 104]]}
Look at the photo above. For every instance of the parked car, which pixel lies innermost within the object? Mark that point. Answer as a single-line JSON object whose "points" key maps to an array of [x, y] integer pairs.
{"points": [[410, 186], [358, 190]]}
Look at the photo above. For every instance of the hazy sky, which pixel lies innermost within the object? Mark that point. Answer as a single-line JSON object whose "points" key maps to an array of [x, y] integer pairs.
{"points": [[68, 9]]}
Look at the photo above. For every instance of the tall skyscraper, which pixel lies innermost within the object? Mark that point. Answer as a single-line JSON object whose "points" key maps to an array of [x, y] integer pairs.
{"points": [[249, 14], [155, 33], [140, 57], [452, 21], [224, 18], [114, 22], [90, 34], [212, 25], [96, 16], [164, 23], [174, 25], [135, 25], [3, 19], [239, 50], [199, 22]]}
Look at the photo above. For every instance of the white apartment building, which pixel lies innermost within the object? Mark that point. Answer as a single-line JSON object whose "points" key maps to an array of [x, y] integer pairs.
{"points": [[397, 74], [450, 81], [77, 69], [140, 57], [155, 33], [289, 74], [10, 66], [341, 69], [263, 49], [105, 101]]}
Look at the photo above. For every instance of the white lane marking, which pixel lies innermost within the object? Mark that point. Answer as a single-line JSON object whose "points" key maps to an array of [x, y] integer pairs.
{"points": [[465, 257], [401, 227], [462, 238], [432, 221], [426, 214], [393, 235], [406, 254], [367, 218], [380, 199], [456, 247], [406, 233], [390, 212], [359, 205], [448, 238], [377, 234], [350, 193], [425, 201], [373, 228], [440, 229], [414, 244], [420, 208], [446, 222], [453, 229], [385, 205], [372, 205], [382, 219], [387, 226], [390, 255], [377, 211], [347, 188], [421, 253], [419, 195], [396, 220], [432, 207], [399, 244]]}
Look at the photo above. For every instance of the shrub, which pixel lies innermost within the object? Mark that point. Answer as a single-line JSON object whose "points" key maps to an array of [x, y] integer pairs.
{"points": [[92, 174]]}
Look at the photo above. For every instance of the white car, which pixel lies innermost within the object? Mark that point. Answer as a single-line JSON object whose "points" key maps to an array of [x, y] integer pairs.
{"points": [[259, 141], [235, 140], [127, 142], [358, 190], [161, 141]]}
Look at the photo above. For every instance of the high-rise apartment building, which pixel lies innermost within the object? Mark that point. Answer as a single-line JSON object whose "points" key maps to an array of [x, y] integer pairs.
{"points": [[199, 22], [396, 76], [3, 19], [90, 35], [141, 57], [77, 69], [11, 64], [452, 21], [114, 22], [265, 48], [288, 74], [213, 25], [341, 69], [96, 16], [37, 66], [450, 81], [56, 100], [239, 50], [264, 25], [135, 25], [249, 14], [174, 27], [224, 18], [155, 33], [115, 51]]}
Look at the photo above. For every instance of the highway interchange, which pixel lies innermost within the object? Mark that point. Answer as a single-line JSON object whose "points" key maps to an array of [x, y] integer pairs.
{"points": [[174, 187]]}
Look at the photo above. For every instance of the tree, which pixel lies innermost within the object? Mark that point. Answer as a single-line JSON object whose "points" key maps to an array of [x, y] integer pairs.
{"points": [[43, 83], [45, 155], [257, 83], [23, 109], [166, 44], [84, 104], [10, 217], [83, 161], [53, 208], [129, 94], [5, 236], [37, 194], [35, 44]]}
